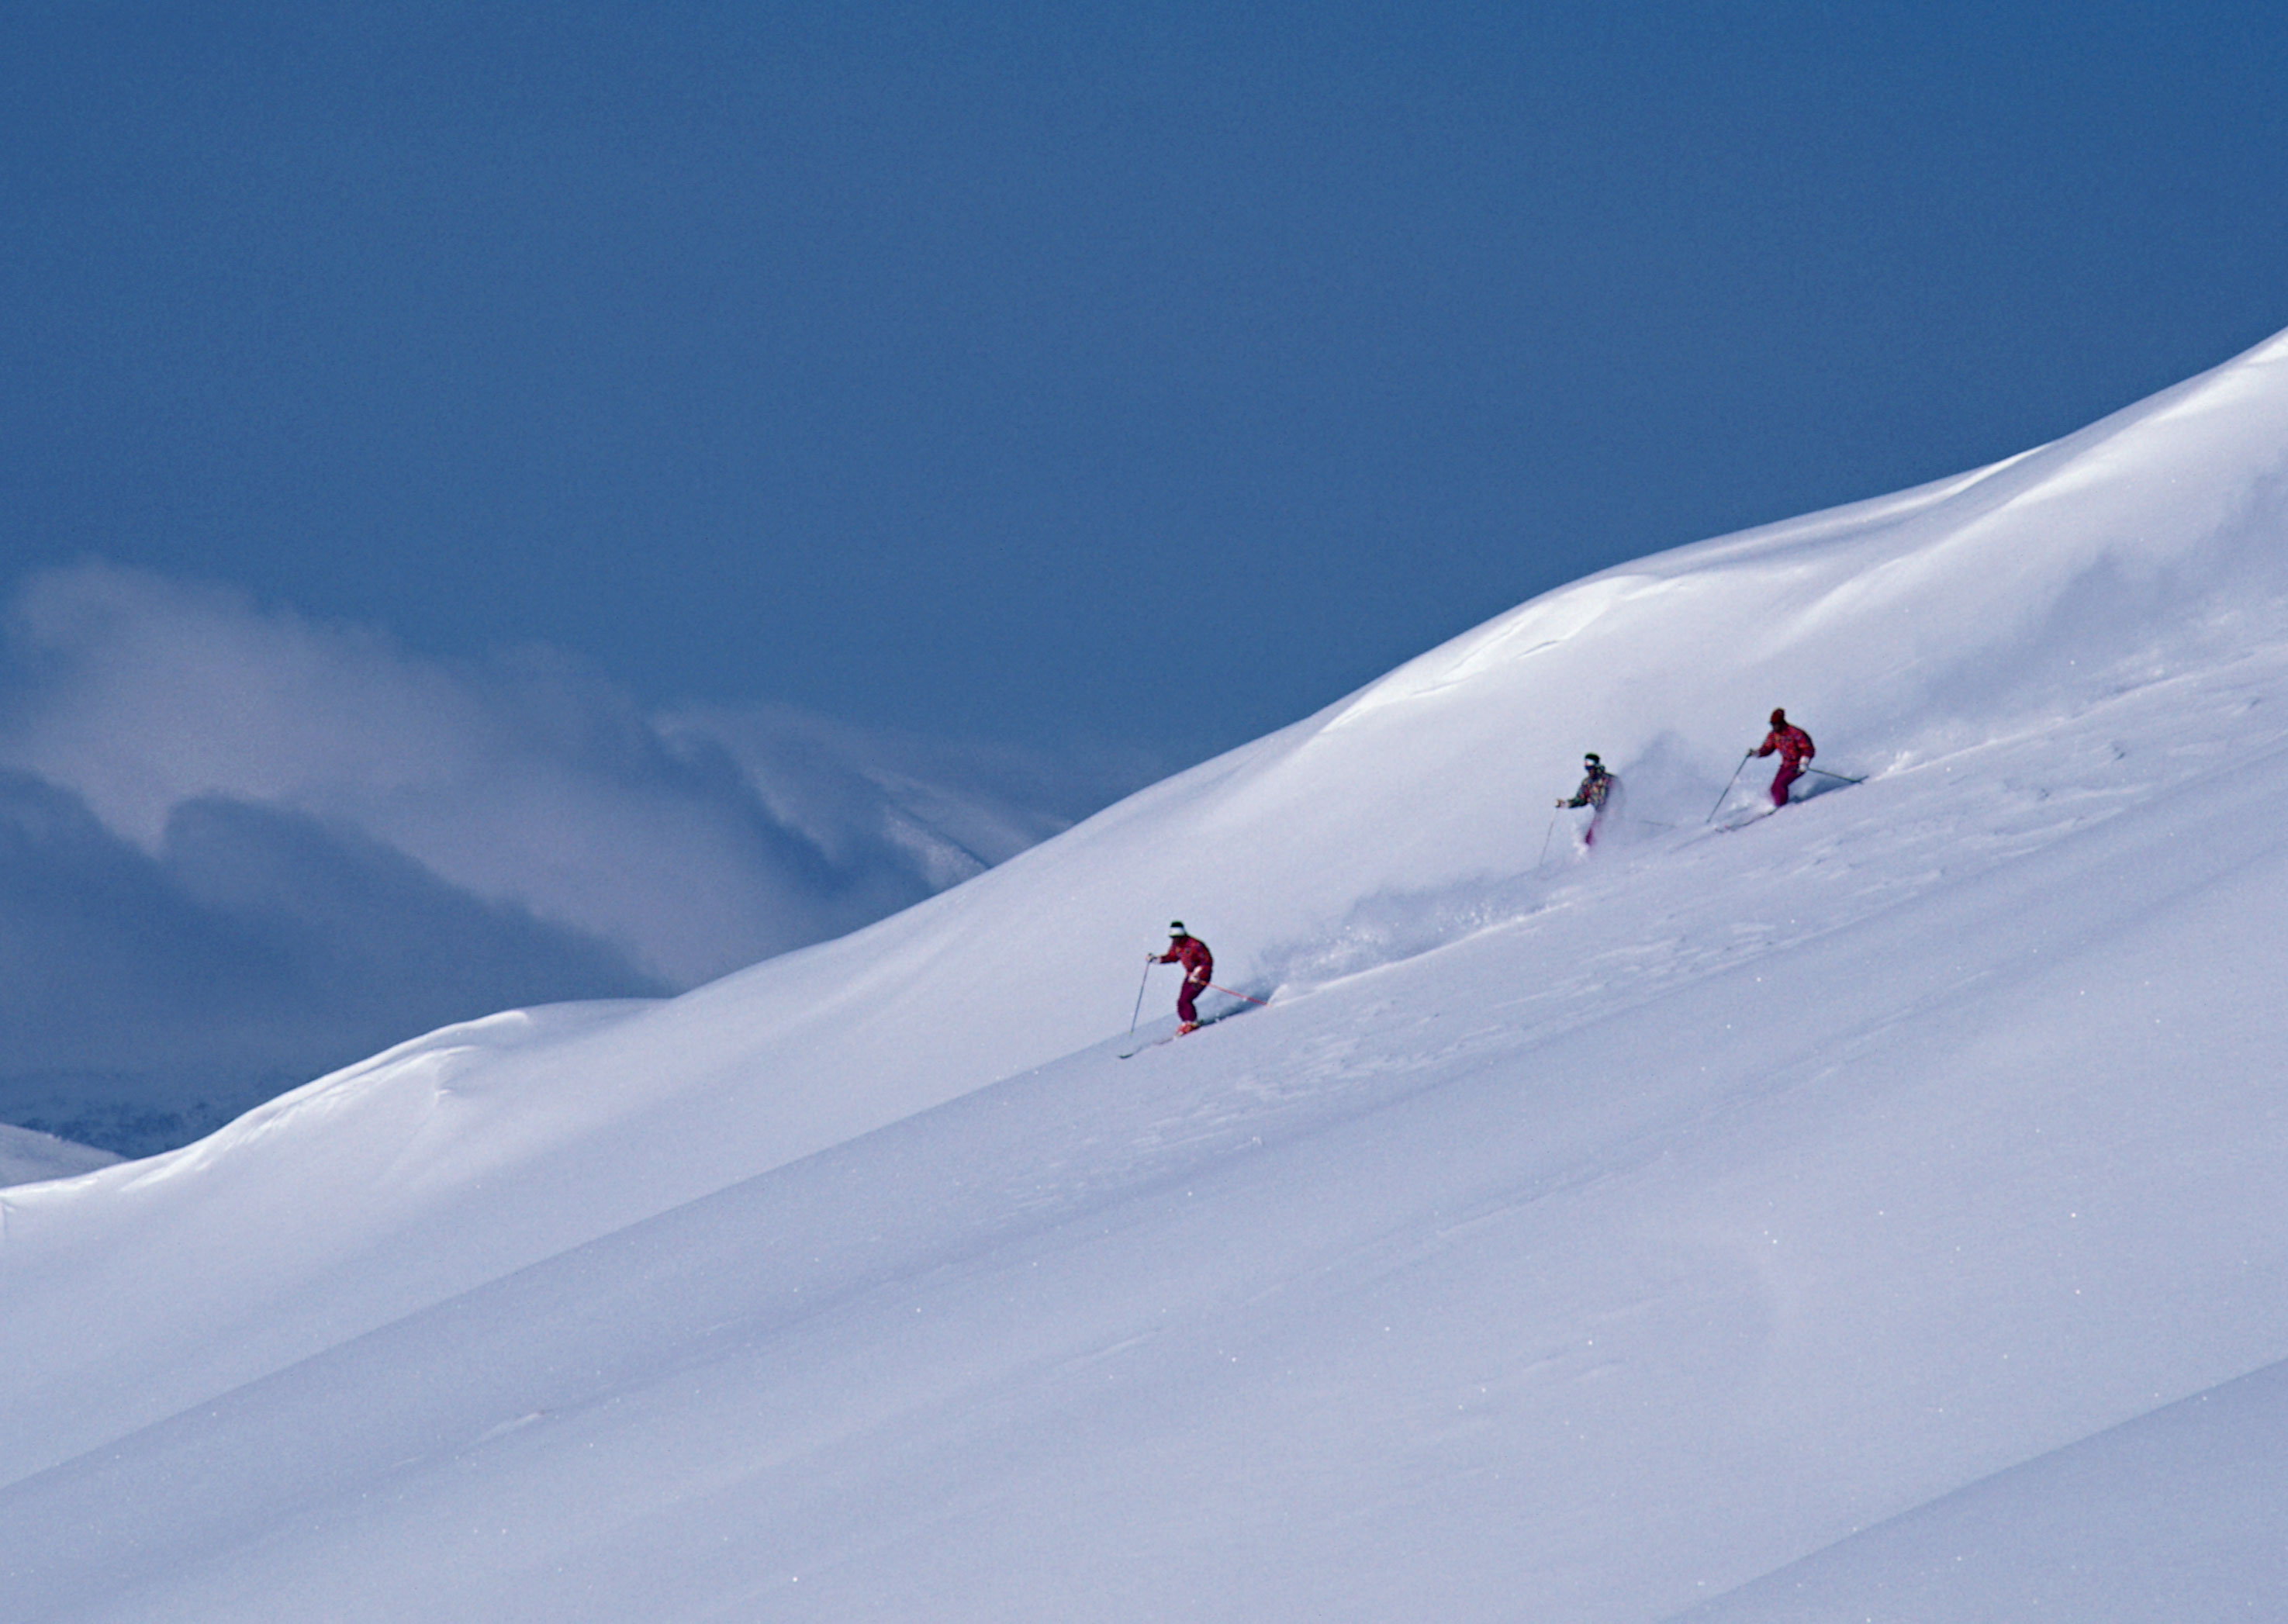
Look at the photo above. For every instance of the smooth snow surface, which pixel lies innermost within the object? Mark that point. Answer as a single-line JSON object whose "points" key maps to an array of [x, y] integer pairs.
{"points": [[2174, 1515], [1900, 1179]]}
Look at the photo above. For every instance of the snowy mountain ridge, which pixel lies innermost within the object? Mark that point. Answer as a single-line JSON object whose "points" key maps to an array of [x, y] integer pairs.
{"points": [[1586, 1239], [27, 1157]]}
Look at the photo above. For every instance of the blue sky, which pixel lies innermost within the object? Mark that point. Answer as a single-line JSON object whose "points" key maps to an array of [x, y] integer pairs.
{"points": [[1145, 374], [631, 489]]}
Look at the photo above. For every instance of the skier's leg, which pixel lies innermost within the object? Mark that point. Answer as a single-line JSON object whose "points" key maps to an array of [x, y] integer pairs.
{"points": [[1607, 807], [1788, 773], [1186, 1010]]}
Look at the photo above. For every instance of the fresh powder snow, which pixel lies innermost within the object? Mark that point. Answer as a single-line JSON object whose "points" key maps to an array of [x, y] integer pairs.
{"points": [[1874, 1211]]}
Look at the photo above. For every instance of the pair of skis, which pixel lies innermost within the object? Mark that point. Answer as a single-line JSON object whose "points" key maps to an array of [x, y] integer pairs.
{"points": [[1186, 1031], [1819, 771], [1129, 1054]]}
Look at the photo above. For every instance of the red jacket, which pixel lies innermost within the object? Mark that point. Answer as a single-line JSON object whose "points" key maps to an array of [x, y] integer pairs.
{"points": [[1193, 955], [1793, 744]]}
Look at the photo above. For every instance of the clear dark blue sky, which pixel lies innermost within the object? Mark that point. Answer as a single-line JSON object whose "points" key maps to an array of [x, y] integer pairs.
{"points": [[1146, 373]]}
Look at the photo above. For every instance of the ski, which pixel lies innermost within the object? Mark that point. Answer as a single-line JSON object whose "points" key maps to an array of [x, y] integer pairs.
{"points": [[1252, 1003], [1178, 1033], [1837, 783], [1731, 826], [1129, 1054]]}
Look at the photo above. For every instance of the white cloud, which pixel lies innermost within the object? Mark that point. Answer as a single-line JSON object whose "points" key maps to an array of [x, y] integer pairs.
{"points": [[694, 842], [239, 847]]}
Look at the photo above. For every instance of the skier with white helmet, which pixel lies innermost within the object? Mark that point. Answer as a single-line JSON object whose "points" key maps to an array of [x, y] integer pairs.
{"points": [[1597, 787]]}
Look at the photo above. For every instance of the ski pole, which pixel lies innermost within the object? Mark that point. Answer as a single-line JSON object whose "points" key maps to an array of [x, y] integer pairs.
{"points": [[1846, 778], [1214, 988], [1133, 1020], [1728, 782], [1545, 841]]}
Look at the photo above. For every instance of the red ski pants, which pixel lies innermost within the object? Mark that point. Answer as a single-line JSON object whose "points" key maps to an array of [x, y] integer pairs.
{"points": [[1790, 770], [1187, 1010]]}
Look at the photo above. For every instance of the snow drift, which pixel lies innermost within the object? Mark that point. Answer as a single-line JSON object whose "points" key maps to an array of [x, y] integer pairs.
{"points": [[1578, 1241]]}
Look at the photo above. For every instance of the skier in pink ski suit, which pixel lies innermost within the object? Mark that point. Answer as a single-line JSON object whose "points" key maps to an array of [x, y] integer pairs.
{"points": [[1199, 965], [1794, 747]]}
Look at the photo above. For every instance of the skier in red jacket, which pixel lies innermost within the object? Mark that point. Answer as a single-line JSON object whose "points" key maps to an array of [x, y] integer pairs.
{"points": [[1199, 965], [1794, 747]]}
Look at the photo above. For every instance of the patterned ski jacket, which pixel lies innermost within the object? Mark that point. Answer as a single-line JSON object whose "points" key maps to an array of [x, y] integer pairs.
{"points": [[1593, 789], [1193, 955], [1793, 744]]}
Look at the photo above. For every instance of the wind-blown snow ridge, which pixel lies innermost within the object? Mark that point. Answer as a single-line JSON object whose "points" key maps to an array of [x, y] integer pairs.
{"points": [[1566, 1241]]}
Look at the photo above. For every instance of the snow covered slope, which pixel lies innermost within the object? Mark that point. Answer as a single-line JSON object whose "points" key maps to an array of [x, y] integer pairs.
{"points": [[1572, 1241]]}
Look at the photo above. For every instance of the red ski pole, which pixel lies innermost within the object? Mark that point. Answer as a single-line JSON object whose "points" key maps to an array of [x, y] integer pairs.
{"points": [[1214, 988]]}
